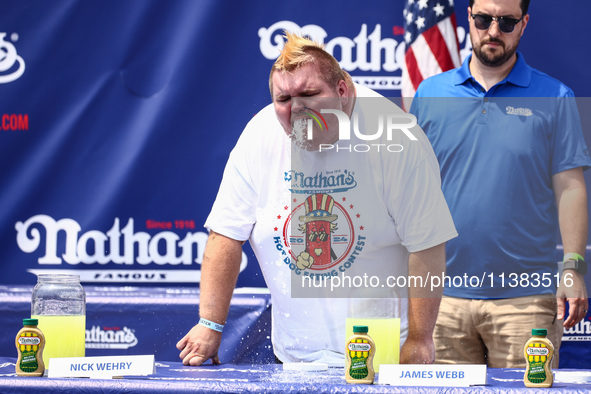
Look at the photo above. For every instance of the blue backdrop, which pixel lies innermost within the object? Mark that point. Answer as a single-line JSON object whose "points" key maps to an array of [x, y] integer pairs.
{"points": [[117, 117]]}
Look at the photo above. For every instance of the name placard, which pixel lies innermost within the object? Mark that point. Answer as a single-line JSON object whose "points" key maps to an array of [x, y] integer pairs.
{"points": [[456, 375], [104, 367]]}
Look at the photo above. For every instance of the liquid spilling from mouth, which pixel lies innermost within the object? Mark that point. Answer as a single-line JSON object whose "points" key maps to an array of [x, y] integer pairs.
{"points": [[299, 131]]}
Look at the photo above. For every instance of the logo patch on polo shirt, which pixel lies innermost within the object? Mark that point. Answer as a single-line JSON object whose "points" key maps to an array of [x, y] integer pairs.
{"points": [[518, 111]]}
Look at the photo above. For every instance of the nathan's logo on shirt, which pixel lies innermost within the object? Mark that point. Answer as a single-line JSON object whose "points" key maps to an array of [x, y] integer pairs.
{"points": [[321, 237], [518, 111], [329, 182], [317, 225]]}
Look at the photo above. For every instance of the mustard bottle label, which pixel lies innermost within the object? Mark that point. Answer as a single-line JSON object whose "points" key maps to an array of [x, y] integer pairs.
{"points": [[359, 350], [537, 356], [29, 346]]}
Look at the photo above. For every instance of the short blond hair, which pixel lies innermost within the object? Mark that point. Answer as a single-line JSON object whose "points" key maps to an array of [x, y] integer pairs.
{"points": [[298, 51]]}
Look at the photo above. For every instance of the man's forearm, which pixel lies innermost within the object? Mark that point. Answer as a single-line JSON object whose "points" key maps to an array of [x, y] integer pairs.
{"points": [[423, 306], [571, 201], [219, 272], [423, 303]]}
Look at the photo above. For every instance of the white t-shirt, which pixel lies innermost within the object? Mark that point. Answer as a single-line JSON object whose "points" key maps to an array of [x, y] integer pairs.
{"points": [[346, 211]]}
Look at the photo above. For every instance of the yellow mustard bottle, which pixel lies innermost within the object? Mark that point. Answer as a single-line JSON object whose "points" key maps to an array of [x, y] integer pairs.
{"points": [[30, 342], [538, 353], [360, 351]]}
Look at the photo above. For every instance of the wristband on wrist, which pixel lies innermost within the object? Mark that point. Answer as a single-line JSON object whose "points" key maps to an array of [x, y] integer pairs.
{"points": [[209, 324], [576, 262], [573, 256]]}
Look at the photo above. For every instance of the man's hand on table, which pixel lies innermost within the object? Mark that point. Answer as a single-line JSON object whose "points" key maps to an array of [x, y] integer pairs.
{"points": [[199, 345], [417, 351]]}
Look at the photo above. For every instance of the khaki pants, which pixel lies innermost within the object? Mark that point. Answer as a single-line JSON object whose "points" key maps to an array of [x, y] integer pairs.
{"points": [[493, 332]]}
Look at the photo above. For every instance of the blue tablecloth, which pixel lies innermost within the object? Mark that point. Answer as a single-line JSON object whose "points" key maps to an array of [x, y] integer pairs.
{"points": [[173, 377], [152, 320], [155, 318]]}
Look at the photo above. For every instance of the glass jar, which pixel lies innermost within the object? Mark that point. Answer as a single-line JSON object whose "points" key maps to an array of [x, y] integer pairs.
{"points": [[59, 304], [382, 316]]}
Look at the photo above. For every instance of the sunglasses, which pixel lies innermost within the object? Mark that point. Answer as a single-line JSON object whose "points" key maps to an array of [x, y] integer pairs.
{"points": [[506, 24]]}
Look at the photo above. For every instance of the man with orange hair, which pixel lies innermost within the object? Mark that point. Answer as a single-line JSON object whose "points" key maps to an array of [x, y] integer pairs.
{"points": [[318, 207]]}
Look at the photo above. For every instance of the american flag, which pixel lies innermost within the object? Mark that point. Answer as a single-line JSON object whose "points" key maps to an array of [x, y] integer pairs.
{"points": [[431, 41]]}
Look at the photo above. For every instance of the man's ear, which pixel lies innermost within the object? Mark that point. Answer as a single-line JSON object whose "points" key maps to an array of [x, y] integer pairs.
{"points": [[524, 22], [343, 91]]}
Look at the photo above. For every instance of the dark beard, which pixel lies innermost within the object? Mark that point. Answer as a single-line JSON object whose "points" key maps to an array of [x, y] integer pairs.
{"points": [[494, 60]]}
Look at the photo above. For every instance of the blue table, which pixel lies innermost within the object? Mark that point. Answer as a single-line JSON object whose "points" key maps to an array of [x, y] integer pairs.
{"points": [[155, 318], [173, 377], [126, 320]]}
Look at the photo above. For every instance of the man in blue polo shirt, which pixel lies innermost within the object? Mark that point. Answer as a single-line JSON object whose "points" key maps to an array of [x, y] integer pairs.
{"points": [[511, 150]]}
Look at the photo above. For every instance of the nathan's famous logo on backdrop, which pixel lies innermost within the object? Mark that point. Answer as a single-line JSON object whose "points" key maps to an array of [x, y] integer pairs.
{"points": [[12, 66], [579, 332], [388, 123], [366, 52], [110, 338], [119, 245]]}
